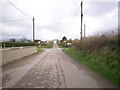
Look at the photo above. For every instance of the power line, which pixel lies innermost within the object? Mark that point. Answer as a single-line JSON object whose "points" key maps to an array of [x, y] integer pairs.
{"points": [[19, 10], [14, 20], [77, 11], [35, 19], [53, 22], [84, 30], [33, 29]]}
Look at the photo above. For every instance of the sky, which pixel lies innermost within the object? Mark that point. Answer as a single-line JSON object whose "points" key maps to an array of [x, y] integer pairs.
{"points": [[56, 18]]}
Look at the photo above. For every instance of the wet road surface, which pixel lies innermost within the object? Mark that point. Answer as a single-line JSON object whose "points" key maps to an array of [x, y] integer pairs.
{"points": [[51, 69]]}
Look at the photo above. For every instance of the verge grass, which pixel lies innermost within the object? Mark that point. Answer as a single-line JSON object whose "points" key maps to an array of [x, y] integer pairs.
{"points": [[39, 50], [47, 46], [99, 54]]}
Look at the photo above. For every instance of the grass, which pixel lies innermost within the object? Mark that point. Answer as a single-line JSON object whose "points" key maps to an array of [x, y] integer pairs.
{"points": [[39, 50], [60, 46], [103, 62], [47, 46]]}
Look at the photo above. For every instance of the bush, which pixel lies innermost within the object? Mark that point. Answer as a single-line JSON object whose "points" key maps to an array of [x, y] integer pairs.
{"points": [[95, 43]]}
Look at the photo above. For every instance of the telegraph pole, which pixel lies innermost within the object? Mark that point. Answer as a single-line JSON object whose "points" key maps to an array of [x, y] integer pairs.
{"points": [[84, 30], [81, 22], [33, 30]]}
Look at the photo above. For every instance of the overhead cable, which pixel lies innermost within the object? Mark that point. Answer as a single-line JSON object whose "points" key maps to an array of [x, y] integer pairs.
{"points": [[19, 9]]}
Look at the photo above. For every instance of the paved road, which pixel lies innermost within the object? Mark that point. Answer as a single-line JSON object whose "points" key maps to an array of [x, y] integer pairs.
{"points": [[51, 69]]}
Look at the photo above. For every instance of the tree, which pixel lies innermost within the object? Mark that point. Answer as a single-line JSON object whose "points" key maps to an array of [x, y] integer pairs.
{"points": [[12, 40], [64, 38], [64, 41]]}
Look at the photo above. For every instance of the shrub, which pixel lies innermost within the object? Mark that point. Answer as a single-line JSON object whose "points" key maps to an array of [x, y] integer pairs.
{"points": [[90, 44]]}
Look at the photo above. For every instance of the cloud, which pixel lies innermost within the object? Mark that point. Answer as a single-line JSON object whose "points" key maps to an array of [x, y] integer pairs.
{"points": [[55, 18], [45, 33], [106, 22], [99, 9], [15, 31]]}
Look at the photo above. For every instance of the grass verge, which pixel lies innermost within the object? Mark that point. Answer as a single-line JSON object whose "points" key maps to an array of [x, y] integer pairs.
{"points": [[47, 46], [39, 50], [103, 63]]}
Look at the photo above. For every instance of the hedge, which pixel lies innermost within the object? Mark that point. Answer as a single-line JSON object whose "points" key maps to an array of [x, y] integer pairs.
{"points": [[17, 44]]}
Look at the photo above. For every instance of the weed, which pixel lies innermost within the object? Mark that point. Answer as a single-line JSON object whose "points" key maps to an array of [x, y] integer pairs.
{"points": [[100, 53]]}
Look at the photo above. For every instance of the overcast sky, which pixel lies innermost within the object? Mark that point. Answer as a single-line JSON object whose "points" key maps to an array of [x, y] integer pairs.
{"points": [[56, 18]]}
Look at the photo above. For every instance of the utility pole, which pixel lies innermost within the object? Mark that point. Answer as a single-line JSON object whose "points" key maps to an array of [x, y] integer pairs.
{"points": [[84, 30], [60, 36], [33, 30], [81, 22]]}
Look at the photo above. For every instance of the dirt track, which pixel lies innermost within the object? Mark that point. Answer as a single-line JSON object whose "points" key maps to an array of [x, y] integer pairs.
{"points": [[51, 69]]}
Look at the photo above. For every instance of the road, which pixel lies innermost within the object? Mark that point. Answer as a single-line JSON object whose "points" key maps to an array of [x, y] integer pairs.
{"points": [[51, 69]]}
